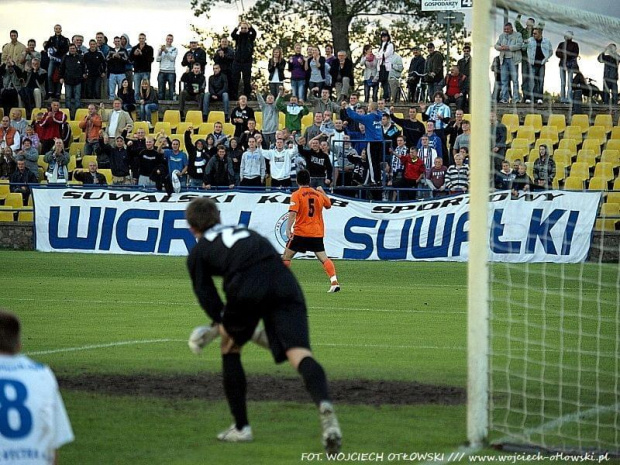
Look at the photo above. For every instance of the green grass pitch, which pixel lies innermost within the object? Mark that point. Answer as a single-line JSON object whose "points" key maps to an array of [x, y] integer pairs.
{"points": [[393, 321]]}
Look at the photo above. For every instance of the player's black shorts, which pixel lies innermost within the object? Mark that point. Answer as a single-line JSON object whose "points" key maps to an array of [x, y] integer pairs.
{"points": [[267, 291], [306, 244]]}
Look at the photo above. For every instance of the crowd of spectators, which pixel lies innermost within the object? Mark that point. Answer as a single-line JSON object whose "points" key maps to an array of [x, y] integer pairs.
{"points": [[347, 145]]}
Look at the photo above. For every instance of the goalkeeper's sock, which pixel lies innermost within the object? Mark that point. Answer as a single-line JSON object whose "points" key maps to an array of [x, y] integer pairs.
{"points": [[330, 269], [314, 379], [235, 388]]}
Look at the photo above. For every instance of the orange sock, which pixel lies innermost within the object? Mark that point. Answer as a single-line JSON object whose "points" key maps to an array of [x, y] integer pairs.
{"points": [[287, 263], [330, 269]]}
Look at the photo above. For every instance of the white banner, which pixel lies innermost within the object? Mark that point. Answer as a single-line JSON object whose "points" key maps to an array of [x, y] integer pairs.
{"points": [[446, 5], [551, 226]]}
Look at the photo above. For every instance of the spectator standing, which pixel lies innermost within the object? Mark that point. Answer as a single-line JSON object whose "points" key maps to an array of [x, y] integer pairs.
{"points": [[413, 129], [244, 36], [509, 45], [167, 76], [14, 50], [196, 54], [28, 55], [369, 62], [341, 72], [240, 115], [142, 57], [51, 126], [118, 119], [220, 171], [384, 63], [457, 176], [194, 85], [297, 68], [417, 65], [270, 118], [36, 400], [217, 92], [57, 47], [57, 160], [544, 168], [527, 76], [499, 133], [117, 58], [293, 111], [394, 77], [281, 163], [252, 170], [433, 67], [95, 69], [224, 56], [568, 53], [610, 58], [522, 181], [91, 126], [32, 91], [21, 179], [539, 50], [414, 172], [464, 64], [72, 74], [275, 68]]}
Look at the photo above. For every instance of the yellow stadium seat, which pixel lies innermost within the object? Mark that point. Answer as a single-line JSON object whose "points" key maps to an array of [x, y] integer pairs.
{"points": [[194, 117], [597, 133], [163, 126], [140, 125], [587, 156], [548, 142], [229, 129], [215, 116], [607, 220], [583, 121], [25, 216], [550, 133], [563, 156], [182, 127], [604, 171], [573, 132], [197, 137], [611, 156], [42, 163], [72, 165], [511, 121], [613, 197], [107, 173], [529, 168], [76, 131], [34, 112], [592, 144], [80, 113], [206, 128], [7, 215], [560, 171], [67, 112], [573, 183], [514, 154], [520, 144], [604, 120], [86, 159], [615, 132], [569, 144], [73, 150], [598, 184], [173, 117], [613, 144], [559, 121], [527, 132], [580, 170], [5, 189], [534, 120], [308, 119], [14, 200]]}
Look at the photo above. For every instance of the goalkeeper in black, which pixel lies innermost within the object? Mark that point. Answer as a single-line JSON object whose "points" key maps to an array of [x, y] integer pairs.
{"points": [[258, 287]]}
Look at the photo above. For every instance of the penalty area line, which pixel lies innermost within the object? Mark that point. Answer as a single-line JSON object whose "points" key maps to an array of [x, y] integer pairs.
{"points": [[102, 346]]}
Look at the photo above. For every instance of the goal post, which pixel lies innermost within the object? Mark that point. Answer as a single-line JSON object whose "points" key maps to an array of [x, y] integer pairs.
{"points": [[544, 338]]}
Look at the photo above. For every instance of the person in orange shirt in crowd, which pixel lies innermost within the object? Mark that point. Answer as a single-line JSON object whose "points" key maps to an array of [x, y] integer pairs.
{"points": [[91, 125], [306, 219]]}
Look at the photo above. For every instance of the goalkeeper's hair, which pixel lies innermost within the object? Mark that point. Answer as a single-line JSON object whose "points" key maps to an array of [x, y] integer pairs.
{"points": [[202, 214], [9, 333]]}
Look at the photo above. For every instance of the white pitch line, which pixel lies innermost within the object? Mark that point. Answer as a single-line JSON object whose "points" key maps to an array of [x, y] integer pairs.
{"points": [[101, 346]]}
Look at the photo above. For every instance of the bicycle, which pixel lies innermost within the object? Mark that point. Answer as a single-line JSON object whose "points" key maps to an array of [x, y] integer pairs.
{"points": [[420, 93]]}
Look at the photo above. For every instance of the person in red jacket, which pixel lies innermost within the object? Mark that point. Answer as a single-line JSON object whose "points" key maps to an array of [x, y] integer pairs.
{"points": [[414, 172], [51, 125]]}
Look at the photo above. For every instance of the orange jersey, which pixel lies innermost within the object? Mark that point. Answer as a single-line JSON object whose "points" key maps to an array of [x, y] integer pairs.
{"points": [[308, 204]]}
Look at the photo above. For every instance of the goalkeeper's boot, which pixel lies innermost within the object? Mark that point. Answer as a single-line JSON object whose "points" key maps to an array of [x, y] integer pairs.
{"points": [[232, 434], [332, 436], [202, 336]]}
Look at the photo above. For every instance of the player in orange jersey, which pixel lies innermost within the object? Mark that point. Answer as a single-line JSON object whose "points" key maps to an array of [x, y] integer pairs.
{"points": [[306, 218]]}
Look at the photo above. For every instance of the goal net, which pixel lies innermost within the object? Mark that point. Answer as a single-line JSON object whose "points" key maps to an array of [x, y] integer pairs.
{"points": [[551, 364]]}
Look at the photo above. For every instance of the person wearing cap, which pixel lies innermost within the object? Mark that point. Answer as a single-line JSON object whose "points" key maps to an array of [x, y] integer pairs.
{"points": [[198, 54], [434, 69], [568, 53]]}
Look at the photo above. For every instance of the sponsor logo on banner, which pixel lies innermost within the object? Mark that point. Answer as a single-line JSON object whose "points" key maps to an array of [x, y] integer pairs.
{"points": [[550, 226], [446, 5]]}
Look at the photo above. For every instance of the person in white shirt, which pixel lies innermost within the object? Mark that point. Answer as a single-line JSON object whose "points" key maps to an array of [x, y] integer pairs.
{"points": [[281, 161], [33, 421], [166, 56]]}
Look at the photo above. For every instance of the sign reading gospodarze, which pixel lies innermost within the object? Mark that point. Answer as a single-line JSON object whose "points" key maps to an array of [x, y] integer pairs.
{"points": [[551, 226], [446, 5]]}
